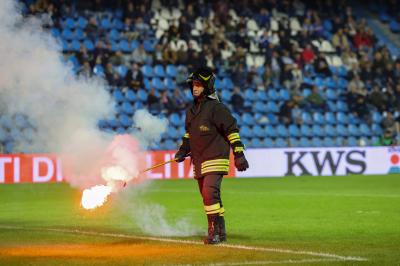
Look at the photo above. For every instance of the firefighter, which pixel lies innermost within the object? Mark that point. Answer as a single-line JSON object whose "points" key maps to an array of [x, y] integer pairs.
{"points": [[211, 131]]}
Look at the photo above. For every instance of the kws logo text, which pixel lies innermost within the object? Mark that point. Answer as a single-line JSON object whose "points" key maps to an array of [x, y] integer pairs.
{"points": [[326, 162]]}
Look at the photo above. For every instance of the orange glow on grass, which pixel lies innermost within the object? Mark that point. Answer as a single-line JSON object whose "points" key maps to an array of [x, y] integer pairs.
{"points": [[95, 196]]}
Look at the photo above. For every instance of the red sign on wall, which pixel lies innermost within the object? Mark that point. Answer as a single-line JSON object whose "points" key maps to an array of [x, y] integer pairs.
{"points": [[30, 168]]}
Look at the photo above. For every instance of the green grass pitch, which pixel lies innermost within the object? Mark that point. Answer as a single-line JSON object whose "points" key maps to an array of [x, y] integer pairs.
{"points": [[339, 220]]}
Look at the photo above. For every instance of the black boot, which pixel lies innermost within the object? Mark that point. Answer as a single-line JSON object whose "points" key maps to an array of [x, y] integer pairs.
{"points": [[213, 230], [222, 231]]}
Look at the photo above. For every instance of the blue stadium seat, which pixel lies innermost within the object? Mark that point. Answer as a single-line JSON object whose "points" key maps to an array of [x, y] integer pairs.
{"points": [[331, 94], [124, 46], [280, 143], [319, 118], [125, 120], [329, 142], [169, 83], [330, 118], [294, 142], [342, 106], [376, 130], [127, 108], [332, 106], [21, 121], [89, 45], [81, 23], [258, 131], [273, 95], [113, 123], [120, 130], [130, 96], [245, 132], [317, 142], [67, 34], [306, 117], [376, 117], [273, 119], [306, 93], [225, 95], [272, 107], [173, 133], [171, 71], [142, 95], [256, 143], [134, 44], [339, 141], [352, 142], [159, 71], [69, 22], [227, 83], [249, 95], [330, 131], [306, 131], [260, 107], [282, 131], [342, 83], [79, 35], [118, 96], [105, 23], [4, 136], [98, 70], [342, 118], [365, 130], [169, 144], [271, 131], [248, 119], [9, 147], [305, 142], [103, 124], [75, 46], [218, 84], [261, 95], [294, 130], [55, 33], [354, 130], [318, 131], [342, 130], [175, 119], [268, 143], [157, 84], [147, 71], [149, 45], [284, 94], [122, 70]]}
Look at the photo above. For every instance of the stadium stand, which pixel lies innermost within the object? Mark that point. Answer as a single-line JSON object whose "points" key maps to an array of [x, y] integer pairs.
{"points": [[295, 72]]}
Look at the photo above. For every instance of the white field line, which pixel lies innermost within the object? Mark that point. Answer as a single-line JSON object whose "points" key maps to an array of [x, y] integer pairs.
{"points": [[170, 240], [274, 262]]}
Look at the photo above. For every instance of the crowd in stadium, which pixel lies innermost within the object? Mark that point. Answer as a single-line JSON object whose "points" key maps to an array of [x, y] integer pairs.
{"points": [[317, 55]]}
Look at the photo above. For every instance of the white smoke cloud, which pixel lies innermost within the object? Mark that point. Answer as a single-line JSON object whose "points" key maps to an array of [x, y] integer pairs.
{"points": [[65, 109], [151, 218]]}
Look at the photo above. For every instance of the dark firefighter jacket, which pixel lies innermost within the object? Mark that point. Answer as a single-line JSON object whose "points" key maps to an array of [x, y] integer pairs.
{"points": [[210, 131]]}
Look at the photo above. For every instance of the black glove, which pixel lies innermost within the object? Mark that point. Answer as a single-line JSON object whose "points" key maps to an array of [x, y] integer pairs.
{"points": [[179, 157], [241, 163]]}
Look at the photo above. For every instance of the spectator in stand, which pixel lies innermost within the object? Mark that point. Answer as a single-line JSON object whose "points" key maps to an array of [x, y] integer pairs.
{"points": [[321, 66], [340, 41], [139, 55], [377, 99], [389, 122], [285, 112], [134, 77], [308, 54], [237, 100], [177, 101], [315, 101], [153, 102], [92, 28], [387, 139], [86, 70]]}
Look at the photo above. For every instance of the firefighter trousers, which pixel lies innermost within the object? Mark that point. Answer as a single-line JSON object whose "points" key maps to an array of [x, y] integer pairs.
{"points": [[210, 190]]}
